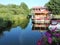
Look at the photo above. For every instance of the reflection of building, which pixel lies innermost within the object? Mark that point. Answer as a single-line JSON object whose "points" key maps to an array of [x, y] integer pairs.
{"points": [[40, 18]]}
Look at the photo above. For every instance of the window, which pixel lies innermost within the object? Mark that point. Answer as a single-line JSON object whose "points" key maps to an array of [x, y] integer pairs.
{"points": [[36, 9], [39, 8]]}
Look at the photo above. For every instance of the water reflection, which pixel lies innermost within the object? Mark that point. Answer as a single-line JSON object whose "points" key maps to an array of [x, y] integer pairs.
{"points": [[6, 25], [29, 36], [18, 35]]}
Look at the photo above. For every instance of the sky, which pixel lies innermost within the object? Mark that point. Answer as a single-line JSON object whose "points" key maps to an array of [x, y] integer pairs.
{"points": [[30, 3]]}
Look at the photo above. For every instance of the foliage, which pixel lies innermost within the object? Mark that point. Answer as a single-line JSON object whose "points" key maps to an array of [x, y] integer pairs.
{"points": [[25, 7], [14, 15], [54, 6], [14, 9], [51, 37]]}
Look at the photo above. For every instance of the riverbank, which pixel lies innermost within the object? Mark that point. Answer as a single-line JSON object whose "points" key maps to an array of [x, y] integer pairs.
{"points": [[14, 20]]}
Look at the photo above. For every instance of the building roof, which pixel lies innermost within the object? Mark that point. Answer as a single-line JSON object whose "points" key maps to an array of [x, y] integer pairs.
{"points": [[38, 9], [41, 11]]}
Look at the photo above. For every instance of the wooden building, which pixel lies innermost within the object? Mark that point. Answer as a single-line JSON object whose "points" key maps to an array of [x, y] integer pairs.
{"points": [[41, 18]]}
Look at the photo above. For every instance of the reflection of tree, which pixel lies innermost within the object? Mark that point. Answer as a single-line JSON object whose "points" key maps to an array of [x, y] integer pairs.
{"points": [[12, 16], [24, 23], [2, 29], [6, 25]]}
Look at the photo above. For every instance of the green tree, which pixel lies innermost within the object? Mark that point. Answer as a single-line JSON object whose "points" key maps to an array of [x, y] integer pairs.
{"points": [[24, 7], [11, 6], [54, 6], [13, 9], [1, 5]]}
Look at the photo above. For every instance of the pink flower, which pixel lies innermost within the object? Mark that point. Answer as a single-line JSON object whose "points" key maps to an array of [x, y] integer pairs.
{"points": [[48, 34], [57, 34], [39, 42], [49, 40]]}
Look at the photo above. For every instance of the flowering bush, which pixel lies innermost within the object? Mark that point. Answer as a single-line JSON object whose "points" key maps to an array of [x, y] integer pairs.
{"points": [[51, 38]]}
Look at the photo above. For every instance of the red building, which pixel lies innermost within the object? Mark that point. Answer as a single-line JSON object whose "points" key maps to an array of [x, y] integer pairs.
{"points": [[41, 17]]}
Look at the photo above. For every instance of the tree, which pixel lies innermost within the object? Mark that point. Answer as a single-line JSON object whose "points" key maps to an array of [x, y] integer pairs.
{"points": [[1, 5], [54, 6], [11, 6], [25, 7], [14, 9]]}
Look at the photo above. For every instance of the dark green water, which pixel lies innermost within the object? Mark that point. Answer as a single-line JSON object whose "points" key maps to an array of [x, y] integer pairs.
{"points": [[18, 36]]}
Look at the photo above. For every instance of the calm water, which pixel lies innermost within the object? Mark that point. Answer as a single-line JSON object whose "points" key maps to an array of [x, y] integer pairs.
{"points": [[19, 36]]}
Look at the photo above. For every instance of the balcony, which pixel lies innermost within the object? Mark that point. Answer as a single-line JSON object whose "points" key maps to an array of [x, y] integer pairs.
{"points": [[41, 21]]}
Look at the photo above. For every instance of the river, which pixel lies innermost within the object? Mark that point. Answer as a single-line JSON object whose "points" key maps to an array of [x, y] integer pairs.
{"points": [[19, 36]]}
